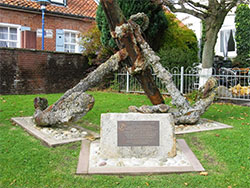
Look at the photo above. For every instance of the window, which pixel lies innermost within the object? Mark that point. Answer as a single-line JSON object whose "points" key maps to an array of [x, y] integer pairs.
{"points": [[61, 2], [8, 36], [67, 41], [227, 41], [70, 42]]}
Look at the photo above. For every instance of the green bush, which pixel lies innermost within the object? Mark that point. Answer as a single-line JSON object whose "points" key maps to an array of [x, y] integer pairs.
{"points": [[158, 22], [180, 47], [242, 36], [94, 49]]}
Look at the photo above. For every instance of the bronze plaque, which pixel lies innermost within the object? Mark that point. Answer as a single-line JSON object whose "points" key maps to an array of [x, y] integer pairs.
{"points": [[138, 133]]}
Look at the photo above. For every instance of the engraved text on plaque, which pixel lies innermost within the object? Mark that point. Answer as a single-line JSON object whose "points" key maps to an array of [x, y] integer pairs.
{"points": [[138, 133]]}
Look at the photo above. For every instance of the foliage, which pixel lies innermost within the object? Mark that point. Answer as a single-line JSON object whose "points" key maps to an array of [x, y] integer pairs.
{"points": [[212, 13], [242, 36], [154, 11], [94, 49], [203, 38], [180, 46], [26, 162]]}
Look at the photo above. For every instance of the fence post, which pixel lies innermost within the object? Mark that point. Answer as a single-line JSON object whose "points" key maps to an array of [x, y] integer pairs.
{"points": [[182, 79], [127, 86]]}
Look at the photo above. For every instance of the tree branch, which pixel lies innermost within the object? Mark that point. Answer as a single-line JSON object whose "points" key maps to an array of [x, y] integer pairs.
{"points": [[195, 8], [230, 5], [197, 4], [183, 9]]}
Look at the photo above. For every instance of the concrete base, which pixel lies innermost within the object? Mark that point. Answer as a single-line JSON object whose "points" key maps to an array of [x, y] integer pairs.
{"points": [[84, 168], [28, 125], [142, 138]]}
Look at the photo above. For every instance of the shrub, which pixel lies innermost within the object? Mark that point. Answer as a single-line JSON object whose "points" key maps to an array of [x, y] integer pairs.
{"points": [[242, 35], [180, 47], [158, 22], [93, 47]]}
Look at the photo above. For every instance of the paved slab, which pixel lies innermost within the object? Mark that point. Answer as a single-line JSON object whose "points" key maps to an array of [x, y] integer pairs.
{"points": [[28, 125], [84, 167], [202, 125]]}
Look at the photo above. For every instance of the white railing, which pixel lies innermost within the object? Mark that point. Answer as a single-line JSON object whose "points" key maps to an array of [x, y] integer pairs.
{"points": [[233, 83]]}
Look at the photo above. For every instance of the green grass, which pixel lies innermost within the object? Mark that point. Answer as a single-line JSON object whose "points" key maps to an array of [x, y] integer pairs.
{"points": [[25, 162]]}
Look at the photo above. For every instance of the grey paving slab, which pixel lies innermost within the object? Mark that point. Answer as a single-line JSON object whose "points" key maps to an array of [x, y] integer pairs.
{"points": [[202, 125], [84, 168], [83, 162], [28, 125]]}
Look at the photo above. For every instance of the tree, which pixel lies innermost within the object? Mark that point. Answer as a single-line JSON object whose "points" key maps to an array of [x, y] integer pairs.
{"points": [[212, 13], [154, 11], [242, 35], [180, 46]]}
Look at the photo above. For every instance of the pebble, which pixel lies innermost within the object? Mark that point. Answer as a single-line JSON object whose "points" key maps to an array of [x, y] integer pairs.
{"points": [[73, 130], [151, 162], [165, 159], [97, 161], [84, 133], [120, 164], [63, 132], [103, 163], [137, 162]]}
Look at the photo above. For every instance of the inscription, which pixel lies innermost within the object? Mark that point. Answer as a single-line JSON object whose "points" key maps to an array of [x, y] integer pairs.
{"points": [[138, 133]]}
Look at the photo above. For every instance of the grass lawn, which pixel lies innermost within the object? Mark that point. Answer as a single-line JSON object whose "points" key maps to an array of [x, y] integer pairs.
{"points": [[25, 162]]}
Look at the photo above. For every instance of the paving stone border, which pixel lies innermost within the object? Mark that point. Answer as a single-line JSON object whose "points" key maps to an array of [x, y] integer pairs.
{"points": [[202, 125], [46, 136], [27, 124], [84, 167]]}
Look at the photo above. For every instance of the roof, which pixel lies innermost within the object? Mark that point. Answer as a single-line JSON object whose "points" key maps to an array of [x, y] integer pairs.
{"points": [[78, 8]]}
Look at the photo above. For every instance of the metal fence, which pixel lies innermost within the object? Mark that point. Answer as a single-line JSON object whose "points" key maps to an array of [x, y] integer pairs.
{"points": [[233, 83]]}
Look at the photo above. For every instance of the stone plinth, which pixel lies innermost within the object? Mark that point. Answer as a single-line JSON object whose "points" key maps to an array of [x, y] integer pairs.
{"points": [[125, 135]]}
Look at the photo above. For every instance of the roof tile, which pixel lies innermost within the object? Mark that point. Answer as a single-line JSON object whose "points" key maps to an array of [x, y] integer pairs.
{"points": [[85, 8]]}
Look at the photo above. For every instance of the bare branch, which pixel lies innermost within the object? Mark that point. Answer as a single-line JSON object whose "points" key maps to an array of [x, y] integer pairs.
{"points": [[197, 4], [183, 9], [231, 4], [198, 9]]}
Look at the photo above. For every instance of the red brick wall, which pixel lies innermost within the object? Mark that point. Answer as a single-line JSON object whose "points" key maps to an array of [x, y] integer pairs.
{"points": [[24, 71], [34, 21]]}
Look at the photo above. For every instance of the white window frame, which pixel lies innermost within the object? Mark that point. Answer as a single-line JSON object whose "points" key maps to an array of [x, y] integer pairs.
{"points": [[59, 2], [227, 25], [77, 48], [230, 54], [18, 27]]}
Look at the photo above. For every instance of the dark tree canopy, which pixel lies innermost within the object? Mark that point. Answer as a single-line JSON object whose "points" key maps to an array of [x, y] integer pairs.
{"points": [[157, 19], [243, 34]]}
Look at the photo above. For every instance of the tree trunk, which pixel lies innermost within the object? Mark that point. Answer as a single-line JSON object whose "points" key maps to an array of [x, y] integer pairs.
{"points": [[212, 29], [115, 18]]}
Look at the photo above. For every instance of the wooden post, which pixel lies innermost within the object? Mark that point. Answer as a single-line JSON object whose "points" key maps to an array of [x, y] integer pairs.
{"points": [[115, 18]]}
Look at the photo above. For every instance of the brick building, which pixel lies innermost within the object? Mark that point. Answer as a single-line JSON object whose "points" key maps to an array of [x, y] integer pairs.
{"points": [[21, 23]]}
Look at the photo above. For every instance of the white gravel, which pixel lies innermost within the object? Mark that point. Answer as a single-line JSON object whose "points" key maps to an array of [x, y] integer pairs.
{"points": [[62, 132], [97, 161], [202, 125]]}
